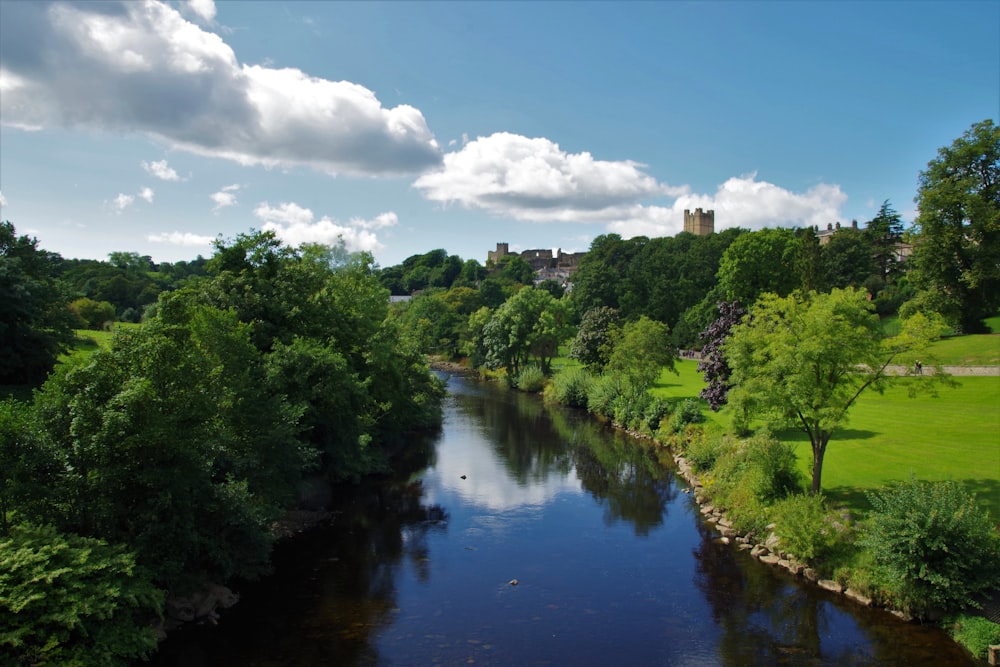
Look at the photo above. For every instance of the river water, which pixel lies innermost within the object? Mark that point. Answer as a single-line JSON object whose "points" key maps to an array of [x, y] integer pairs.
{"points": [[612, 563]]}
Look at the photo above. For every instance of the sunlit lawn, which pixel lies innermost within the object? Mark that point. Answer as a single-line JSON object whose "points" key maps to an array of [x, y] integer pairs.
{"points": [[978, 350], [891, 436], [955, 435]]}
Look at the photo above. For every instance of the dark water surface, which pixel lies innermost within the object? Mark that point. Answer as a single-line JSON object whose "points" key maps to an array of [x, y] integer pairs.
{"points": [[613, 566]]}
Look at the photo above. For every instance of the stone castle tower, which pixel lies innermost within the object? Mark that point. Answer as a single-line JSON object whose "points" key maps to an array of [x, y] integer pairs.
{"points": [[701, 223]]}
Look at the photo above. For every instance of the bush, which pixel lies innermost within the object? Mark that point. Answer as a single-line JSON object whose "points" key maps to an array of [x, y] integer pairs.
{"points": [[68, 600], [602, 394], [935, 548], [689, 412], [704, 448], [530, 379], [657, 410], [571, 387], [975, 633], [805, 526]]}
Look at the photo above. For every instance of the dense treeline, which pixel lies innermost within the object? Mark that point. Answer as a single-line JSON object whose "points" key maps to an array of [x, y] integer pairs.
{"points": [[162, 462]]}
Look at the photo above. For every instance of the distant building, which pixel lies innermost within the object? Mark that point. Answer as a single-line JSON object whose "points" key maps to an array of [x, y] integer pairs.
{"points": [[547, 265], [701, 223]]}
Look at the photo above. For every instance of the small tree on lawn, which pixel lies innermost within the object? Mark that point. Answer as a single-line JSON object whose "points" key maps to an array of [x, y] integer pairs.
{"points": [[803, 361], [713, 361]]}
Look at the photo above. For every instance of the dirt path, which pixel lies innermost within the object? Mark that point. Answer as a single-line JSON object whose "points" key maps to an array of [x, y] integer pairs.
{"points": [[951, 370]]}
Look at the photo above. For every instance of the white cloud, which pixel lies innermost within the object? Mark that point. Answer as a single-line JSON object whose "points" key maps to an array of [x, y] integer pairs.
{"points": [[533, 179], [142, 67], [287, 213], [161, 170], [741, 201], [181, 238], [121, 202], [3, 200], [203, 8], [516, 177], [225, 197], [146, 194], [294, 225]]}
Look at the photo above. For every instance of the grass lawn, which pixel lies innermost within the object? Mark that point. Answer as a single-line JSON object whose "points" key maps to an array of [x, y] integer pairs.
{"points": [[975, 350], [955, 435], [891, 436]]}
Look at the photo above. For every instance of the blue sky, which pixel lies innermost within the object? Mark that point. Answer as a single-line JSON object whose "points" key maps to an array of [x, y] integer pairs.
{"points": [[403, 127]]}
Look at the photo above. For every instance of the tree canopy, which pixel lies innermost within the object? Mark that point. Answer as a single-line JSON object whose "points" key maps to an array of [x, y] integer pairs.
{"points": [[803, 360], [957, 245]]}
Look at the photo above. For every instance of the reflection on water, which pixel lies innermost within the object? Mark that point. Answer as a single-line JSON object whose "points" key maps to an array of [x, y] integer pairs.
{"points": [[613, 567]]}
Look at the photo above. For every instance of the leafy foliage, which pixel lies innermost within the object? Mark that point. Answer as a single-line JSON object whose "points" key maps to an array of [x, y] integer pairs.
{"points": [[570, 387], [957, 248], [805, 526], [713, 359], [68, 600], [803, 361], [35, 324], [592, 344], [935, 547], [758, 263], [975, 633]]}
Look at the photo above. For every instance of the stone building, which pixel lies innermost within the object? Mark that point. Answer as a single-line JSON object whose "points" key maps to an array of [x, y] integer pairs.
{"points": [[701, 223], [547, 265]]}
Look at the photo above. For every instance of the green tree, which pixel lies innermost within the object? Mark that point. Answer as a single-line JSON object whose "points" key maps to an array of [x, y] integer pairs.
{"points": [[847, 259], [885, 234], [35, 324], [957, 246], [532, 322], [592, 343], [94, 314], [68, 600], [760, 262], [600, 278], [640, 354], [803, 361]]}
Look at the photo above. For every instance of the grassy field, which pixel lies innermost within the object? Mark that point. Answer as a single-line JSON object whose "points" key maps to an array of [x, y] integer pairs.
{"points": [[955, 435], [978, 350]]}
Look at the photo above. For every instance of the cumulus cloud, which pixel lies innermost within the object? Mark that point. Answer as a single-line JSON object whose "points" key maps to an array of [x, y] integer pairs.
{"points": [[742, 201], [161, 170], [294, 225], [3, 200], [122, 202], [204, 9], [533, 179], [142, 67], [225, 197], [182, 239], [146, 194]]}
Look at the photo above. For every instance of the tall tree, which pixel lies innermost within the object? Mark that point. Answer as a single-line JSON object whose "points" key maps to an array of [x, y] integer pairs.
{"points": [[35, 322], [957, 247], [803, 361], [713, 360], [885, 234]]}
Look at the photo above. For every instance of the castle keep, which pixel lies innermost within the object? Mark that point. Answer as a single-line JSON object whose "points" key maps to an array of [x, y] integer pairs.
{"points": [[701, 223]]}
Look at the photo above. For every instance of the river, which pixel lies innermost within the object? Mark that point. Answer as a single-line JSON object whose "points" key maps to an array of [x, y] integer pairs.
{"points": [[525, 535]]}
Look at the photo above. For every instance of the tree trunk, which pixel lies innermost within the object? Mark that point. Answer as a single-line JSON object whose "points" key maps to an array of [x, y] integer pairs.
{"points": [[819, 450]]}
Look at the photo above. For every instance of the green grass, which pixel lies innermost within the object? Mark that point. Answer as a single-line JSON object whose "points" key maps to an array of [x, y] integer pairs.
{"points": [[975, 350], [955, 435], [686, 384], [891, 436]]}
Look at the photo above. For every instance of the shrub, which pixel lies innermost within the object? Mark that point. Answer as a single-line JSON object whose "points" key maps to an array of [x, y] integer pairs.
{"points": [[69, 600], [703, 448], [689, 412], [602, 394], [805, 526], [975, 633], [530, 379], [571, 387], [935, 548], [657, 410]]}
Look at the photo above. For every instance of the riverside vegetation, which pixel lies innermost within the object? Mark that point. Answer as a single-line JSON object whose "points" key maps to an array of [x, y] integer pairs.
{"points": [[161, 464]]}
